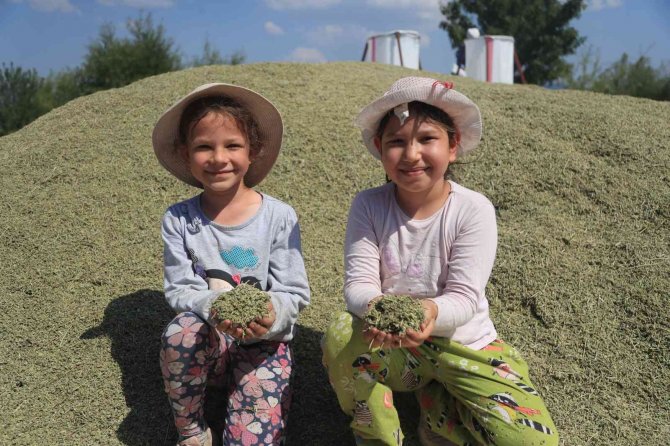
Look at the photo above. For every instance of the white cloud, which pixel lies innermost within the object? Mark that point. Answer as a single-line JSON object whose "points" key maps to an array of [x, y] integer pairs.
{"points": [[425, 9], [335, 34], [50, 5], [139, 3], [425, 40], [300, 4], [301, 54], [597, 5], [273, 28], [402, 3]]}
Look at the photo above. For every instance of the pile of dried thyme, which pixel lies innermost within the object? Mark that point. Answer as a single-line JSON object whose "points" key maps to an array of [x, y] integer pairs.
{"points": [[396, 314], [241, 305]]}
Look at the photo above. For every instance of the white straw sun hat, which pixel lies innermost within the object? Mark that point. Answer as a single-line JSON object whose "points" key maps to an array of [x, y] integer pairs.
{"points": [[459, 107], [165, 136]]}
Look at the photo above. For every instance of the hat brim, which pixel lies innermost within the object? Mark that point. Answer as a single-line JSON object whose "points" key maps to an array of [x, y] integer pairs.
{"points": [[165, 135], [460, 108]]}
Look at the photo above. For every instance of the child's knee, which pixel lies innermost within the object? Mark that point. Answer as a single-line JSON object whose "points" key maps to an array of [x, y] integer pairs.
{"points": [[337, 336], [184, 329], [519, 431]]}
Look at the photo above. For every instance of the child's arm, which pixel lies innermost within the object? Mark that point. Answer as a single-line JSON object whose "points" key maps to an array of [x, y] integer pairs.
{"points": [[287, 279], [362, 281], [470, 263], [184, 289]]}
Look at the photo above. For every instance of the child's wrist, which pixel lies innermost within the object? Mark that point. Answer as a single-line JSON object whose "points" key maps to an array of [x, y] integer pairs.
{"points": [[432, 307]]}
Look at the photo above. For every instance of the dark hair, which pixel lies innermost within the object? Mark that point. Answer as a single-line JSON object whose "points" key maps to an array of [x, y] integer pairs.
{"points": [[421, 111], [224, 106]]}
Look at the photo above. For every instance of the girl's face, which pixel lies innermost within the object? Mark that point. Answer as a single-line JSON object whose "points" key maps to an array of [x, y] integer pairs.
{"points": [[415, 155], [218, 154]]}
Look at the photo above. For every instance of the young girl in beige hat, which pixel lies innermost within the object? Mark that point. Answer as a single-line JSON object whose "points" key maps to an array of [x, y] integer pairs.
{"points": [[224, 140], [435, 240]]}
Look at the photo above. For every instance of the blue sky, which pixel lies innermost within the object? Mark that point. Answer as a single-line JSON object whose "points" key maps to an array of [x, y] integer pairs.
{"points": [[54, 34]]}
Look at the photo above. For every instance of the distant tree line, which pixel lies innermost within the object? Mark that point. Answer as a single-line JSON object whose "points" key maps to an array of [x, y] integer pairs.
{"points": [[540, 28], [625, 76], [543, 37], [110, 62]]}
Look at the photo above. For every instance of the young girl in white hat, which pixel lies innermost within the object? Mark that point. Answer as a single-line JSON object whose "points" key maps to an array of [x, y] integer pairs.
{"points": [[431, 238], [224, 140]]}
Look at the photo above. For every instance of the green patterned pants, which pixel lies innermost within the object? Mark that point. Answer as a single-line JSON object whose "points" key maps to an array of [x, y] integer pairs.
{"points": [[470, 397]]}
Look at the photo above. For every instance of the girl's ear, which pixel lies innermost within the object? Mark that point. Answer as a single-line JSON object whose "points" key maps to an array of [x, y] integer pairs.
{"points": [[453, 148], [253, 155], [183, 152], [378, 144]]}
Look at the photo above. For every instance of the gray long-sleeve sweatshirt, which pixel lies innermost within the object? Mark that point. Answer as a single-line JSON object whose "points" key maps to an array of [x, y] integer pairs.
{"points": [[202, 259]]}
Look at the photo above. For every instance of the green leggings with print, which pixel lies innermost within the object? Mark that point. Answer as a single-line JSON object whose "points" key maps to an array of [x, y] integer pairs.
{"points": [[470, 397]]}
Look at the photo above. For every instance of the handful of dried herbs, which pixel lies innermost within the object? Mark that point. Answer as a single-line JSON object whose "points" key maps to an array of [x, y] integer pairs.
{"points": [[241, 305], [396, 314]]}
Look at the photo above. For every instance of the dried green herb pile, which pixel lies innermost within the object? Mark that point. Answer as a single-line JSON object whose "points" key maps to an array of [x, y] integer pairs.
{"points": [[581, 191], [396, 314], [241, 305]]}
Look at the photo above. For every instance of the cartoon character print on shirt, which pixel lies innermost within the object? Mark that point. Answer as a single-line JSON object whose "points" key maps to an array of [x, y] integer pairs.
{"points": [[418, 277], [239, 259], [217, 279], [224, 281], [242, 259], [195, 262]]}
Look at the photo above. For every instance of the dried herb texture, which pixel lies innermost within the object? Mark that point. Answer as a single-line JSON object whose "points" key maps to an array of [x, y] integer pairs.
{"points": [[581, 191], [396, 314], [241, 305]]}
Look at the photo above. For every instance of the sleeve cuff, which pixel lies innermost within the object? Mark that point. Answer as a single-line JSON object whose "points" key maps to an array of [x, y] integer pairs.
{"points": [[278, 324], [203, 307], [360, 306], [443, 319]]}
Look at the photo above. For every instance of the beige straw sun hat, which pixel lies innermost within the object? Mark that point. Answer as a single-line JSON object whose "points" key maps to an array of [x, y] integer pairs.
{"points": [[459, 107], [165, 136]]}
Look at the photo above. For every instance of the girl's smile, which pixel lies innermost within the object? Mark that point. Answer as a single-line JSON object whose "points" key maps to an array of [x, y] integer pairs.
{"points": [[414, 171], [218, 154], [416, 154]]}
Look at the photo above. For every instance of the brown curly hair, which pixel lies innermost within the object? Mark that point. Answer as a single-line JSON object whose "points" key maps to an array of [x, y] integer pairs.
{"points": [[224, 106]]}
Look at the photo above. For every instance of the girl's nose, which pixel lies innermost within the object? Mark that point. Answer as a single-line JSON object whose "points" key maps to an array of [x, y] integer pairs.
{"points": [[220, 155], [412, 151]]}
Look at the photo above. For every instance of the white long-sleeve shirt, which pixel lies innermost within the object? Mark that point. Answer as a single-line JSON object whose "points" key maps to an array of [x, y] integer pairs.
{"points": [[447, 257]]}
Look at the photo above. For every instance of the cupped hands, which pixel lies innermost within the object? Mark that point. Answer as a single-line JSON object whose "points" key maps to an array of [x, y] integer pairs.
{"points": [[410, 338], [255, 329]]}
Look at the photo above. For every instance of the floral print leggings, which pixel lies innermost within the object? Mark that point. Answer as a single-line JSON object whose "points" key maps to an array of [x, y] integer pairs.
{"points": [[255, 377]]}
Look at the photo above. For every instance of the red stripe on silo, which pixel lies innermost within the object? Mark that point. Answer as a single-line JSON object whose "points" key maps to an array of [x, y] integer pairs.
{"points": [[489, 58], [374, 50]]}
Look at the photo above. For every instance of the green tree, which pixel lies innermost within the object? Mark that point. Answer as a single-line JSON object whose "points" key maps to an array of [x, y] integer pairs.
{"points": [[212, 56], [110, 62], [114, 62], [541, 31], [636, 78], [60, 87], [19, 103], [633, 78], [586, 71]]}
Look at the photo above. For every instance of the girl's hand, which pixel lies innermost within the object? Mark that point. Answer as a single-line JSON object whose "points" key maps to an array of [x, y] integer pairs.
{"points": [[375, 337], [255, 329], [381, 339], [261, 326], [416, 338], [411, 338]]}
